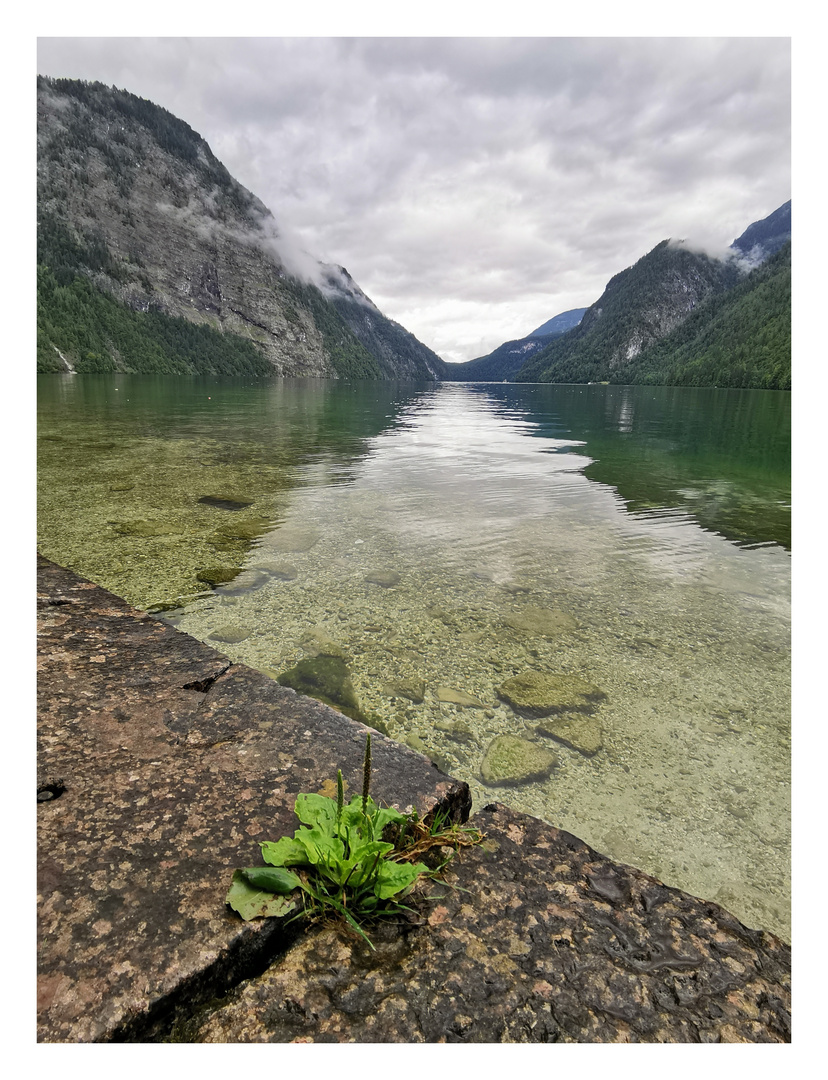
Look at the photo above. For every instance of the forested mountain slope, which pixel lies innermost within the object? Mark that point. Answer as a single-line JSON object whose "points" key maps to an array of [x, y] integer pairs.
{"points": [[738, 338], [638, 307]]}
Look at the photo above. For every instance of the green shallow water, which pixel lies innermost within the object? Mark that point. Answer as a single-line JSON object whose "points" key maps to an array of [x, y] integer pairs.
{"points": [[652, 522]]}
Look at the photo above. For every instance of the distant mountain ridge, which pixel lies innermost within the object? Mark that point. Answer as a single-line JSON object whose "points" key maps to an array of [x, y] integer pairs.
{"points": [[507, 359], [677, 316], [152, 257], [763, 238], [567, 320]]}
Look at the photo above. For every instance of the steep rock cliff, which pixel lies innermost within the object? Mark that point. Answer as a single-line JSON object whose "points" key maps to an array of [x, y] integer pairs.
{"points": [[133, 199]]}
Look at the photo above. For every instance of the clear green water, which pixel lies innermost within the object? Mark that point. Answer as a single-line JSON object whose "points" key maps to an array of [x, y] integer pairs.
{"points": [[653, 522]]}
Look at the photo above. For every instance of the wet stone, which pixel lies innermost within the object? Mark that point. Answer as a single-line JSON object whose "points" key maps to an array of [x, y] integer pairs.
{"points": [[218, 575], [512, 760], [581, 732], [541, 693], [450, 696], [386, 578], [412, 688], [542, 622]]}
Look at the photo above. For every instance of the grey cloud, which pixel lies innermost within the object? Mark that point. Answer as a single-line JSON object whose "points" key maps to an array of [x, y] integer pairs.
{"points": [[467, 183]]}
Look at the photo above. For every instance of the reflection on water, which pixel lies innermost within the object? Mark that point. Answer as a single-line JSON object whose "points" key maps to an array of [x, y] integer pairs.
{"points": [[444, 541]]}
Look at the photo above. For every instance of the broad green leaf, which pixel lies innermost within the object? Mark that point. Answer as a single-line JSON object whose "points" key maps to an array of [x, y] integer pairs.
{"points": [[392, 878], [320, 847], [315, 809], [253, 903], [384, 816], [272, 879], [284, 852]]}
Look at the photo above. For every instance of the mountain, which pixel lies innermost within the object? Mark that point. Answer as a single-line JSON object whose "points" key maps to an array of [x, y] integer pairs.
{"points": [[639, 306], [560, 324], [153, 258], [761, 239], [738, 338], [507, 359], [676, 317]]}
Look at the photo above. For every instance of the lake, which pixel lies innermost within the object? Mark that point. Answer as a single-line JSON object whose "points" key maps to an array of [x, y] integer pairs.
{"points": [[431, 544]]}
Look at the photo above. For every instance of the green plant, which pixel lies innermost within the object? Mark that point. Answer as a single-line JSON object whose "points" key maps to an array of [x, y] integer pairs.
{"points": [[354, 860]]}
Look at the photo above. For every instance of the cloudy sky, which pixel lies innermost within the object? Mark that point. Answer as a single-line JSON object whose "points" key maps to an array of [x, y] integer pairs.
{"points": [[475, 187]]}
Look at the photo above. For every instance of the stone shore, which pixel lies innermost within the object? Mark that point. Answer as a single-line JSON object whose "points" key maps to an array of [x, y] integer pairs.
{"points": [[162, 765]]}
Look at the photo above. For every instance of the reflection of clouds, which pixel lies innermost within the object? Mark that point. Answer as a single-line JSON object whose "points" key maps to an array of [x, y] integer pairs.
{"points": [[459, 444]]}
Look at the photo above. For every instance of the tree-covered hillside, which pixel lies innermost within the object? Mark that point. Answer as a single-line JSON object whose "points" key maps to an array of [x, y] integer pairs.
{"points": [[738, 338], [638, 307]]}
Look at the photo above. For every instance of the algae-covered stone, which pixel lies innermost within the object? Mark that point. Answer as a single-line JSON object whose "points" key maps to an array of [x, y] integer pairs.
{"points": [[225, 502], [386, 578], [327, 679], [218, 575], [411, 688], [581, 732], [316, 642], [512, 760], [451, 696], [246, 531], [543, 622], [541, 693]]}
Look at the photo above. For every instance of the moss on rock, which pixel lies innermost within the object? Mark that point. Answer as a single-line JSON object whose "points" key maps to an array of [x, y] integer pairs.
{"points": [[327, 679], [512, 760], [541, 693]]}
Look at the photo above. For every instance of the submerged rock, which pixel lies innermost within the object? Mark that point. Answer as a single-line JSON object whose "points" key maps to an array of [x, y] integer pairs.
{"points": [[292, 539], [512, 760], [248, 530], [541, 693], [458, 697], [218, 575], [582, 733], [386, 578], [282, 571], [544, 622], [412, 688], [224, 503], [327, 679], [248, 581], [316, 642]]}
